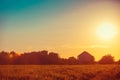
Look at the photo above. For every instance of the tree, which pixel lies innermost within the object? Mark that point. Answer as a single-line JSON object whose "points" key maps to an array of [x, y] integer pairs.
{"points": [[107, 59], [4, 58], [13, 57], [72, 61], [53, 58], [43, 57]]}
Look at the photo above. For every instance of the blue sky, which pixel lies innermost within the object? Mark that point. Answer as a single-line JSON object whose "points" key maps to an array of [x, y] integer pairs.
{"points": [[27, 10]]}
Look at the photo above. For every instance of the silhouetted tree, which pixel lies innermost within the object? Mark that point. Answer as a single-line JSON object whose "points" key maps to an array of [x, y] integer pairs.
{"points": [[72, 60], [43, 57], [85, 58], [53, 58], [4, 58], [64, 61], [107, 59], [13, 57], [32, 58], [118, 61], [24, 59]]}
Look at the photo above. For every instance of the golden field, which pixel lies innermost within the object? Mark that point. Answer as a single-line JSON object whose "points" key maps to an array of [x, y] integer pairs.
{"points": [[59, 72]]}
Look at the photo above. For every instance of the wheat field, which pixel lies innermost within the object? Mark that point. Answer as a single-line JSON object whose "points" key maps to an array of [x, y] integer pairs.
{"points": [[59, 72]]}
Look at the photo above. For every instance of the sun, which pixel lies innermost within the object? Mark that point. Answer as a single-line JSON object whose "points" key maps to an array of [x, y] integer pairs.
{"points": [[107, 31]]}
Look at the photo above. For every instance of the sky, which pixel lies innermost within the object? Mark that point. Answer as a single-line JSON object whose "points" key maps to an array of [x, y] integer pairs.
{"points": [[67, 27]]}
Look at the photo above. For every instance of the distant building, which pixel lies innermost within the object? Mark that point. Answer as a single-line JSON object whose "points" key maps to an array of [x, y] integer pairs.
{"points": [[85, 58]]}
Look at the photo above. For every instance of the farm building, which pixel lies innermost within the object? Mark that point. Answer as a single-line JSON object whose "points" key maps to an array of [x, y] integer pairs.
{"points": [[85, 58]]}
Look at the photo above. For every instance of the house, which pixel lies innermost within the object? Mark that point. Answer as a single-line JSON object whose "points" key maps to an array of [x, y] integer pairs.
{"points": [[85, 58]]}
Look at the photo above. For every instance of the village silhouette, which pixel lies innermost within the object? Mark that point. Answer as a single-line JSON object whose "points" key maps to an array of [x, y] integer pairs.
{"points": [[51, 58]]}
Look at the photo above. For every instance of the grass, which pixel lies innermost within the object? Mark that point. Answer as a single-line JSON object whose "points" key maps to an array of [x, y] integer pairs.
{"points": [[59, 72]]}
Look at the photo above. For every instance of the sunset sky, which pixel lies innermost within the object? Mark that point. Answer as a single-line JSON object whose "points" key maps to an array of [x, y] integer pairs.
{"points": [[68, 27]]}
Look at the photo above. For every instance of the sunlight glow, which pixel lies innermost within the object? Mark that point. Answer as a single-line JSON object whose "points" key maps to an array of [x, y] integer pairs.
{"points": [[107, 31]]}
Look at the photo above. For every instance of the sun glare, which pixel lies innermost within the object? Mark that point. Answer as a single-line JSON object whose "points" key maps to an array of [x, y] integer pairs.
{"points": [[107, 31]]}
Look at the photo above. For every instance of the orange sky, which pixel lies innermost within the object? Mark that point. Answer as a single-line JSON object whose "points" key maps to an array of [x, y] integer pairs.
{"points": [[68, 28]]}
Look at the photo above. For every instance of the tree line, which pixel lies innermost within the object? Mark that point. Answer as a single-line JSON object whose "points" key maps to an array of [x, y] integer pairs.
{"points": [[51, 58]]}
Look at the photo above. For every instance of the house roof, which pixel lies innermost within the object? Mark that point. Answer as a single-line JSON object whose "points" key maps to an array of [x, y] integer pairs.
{"points": [[85, 53]]}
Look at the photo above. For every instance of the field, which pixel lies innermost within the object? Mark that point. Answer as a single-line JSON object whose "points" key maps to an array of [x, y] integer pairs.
{"points": [[59, 72]]}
